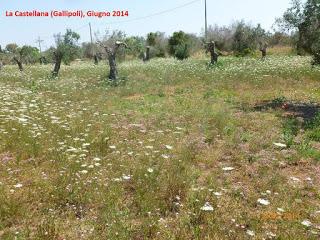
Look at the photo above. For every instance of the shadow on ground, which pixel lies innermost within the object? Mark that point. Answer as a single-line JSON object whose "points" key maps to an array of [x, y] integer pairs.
{"points": [[305, 111]]}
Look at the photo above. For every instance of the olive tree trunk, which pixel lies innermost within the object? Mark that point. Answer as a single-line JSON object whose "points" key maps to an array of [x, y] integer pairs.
{"points": [[57, 64], [19, 63], [112, 53], [212, 49], [146, 56], [263, 50], [96, 59], [113, 74]]}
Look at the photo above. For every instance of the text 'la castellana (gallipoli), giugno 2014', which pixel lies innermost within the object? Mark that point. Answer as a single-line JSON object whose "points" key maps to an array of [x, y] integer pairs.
{"points": [[64, 13]]}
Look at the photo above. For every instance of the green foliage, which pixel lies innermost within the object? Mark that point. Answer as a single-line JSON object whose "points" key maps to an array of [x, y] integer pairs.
{"points": [[281, 39], [313, 129], [158, 42], [290, 130], [246, 38], [182, 51], [279, 100], [151, 38], [179, 45], [305, 19], [29, 54], [67, 46], [12, 48], [136, 45], [49, 54]]}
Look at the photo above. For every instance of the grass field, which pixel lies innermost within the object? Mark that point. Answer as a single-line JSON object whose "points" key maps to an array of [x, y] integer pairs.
{"points": [[176, 151]]}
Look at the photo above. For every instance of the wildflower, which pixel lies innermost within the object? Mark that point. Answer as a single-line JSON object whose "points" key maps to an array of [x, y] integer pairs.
{"points": [[165, 156], [126, 177], [250, 233], [207, 207], [271, 234], [227, 169], [19, 185], [263, 202], [150, 170], [295, 179], [168, 147], [306, 223], [280, 145], [84, 172], [218, 194], [112, 147]]}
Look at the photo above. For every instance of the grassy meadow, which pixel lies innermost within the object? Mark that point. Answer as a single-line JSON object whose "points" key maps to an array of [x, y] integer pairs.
{"points": [[177, 150]]}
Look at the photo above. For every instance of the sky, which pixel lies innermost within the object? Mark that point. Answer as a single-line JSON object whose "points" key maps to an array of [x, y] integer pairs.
{"points": [[25, 30]]}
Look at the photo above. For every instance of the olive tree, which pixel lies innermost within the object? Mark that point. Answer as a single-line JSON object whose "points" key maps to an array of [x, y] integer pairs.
{"points": [[304, 18], [111, 49], [13, 51], [211, 47], [246, 38], [66, 49]]}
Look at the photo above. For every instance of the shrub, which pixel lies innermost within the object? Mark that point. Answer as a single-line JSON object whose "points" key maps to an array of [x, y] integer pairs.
{"points": [[181, 51], [304, 18], [158, 43], [179, 45], [246, 38]]}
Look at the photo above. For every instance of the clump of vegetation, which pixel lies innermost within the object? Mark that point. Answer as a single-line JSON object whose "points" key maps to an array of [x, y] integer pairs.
{"points": [[179, 45], [291, 128], [304, 18], [158, 42], [246, 38]]}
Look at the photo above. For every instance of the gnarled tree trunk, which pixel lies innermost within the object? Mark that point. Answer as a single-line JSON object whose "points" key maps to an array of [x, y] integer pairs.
{"points": [[263, 50], [96, 59], [112, 52], [212, 49], [146, 56], [58, 59], [19, 63], [113, 74]]}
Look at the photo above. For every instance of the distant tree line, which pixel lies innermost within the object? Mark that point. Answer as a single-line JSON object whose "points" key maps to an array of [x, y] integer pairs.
{"points": [[240, 39], [298, 28]]}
